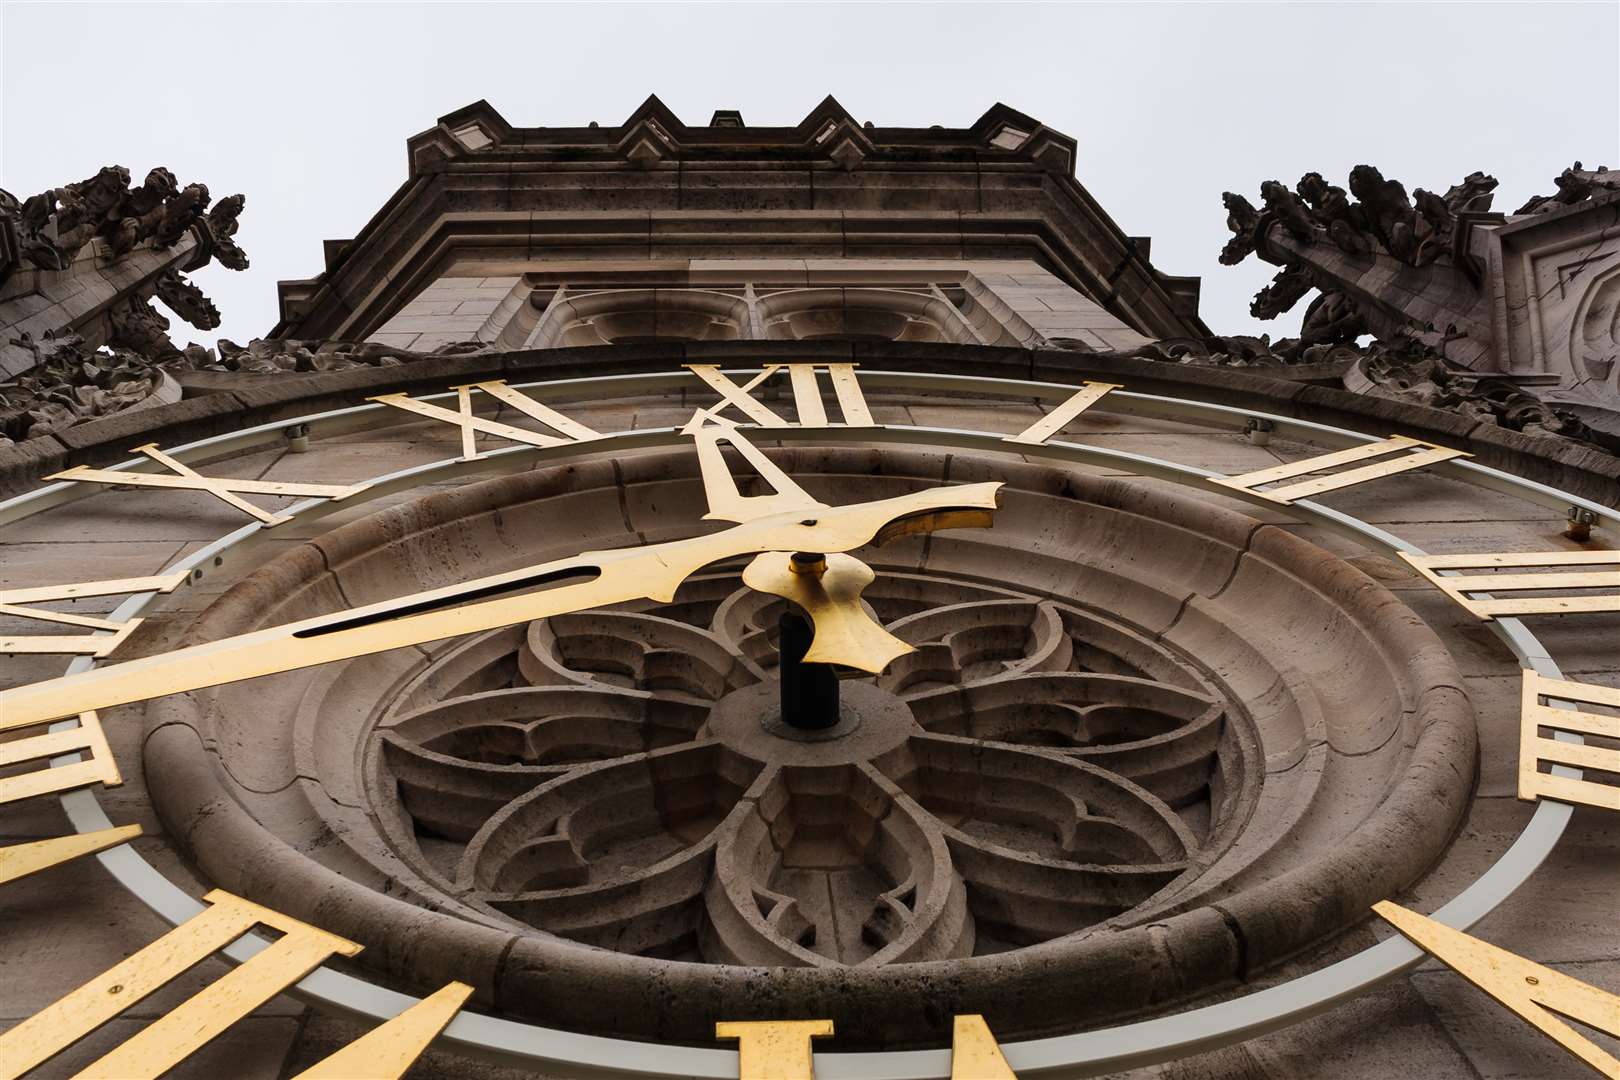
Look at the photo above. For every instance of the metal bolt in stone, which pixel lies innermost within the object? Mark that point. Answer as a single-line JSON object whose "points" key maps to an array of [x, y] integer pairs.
{"points": [[1580, 524]]}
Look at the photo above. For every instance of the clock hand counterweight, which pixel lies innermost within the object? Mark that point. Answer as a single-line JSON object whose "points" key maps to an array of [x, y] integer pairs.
{"points": [[588, 580]]}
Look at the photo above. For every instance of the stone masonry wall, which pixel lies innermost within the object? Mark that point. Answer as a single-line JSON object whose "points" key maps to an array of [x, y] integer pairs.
{"points": [[1032, 304]]}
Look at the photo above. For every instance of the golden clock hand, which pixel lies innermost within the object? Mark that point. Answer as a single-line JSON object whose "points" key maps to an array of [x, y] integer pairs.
{"points": [[826, 586], [591, 579], [726, 503], [830, 593]]}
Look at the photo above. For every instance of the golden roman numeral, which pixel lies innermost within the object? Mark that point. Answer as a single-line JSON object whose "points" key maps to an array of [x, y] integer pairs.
{"points": [[1535, 748], [974, 1053], [383, 1053], [20, 860], [774, 1049], [170, 1039], [88, 738], [780, 1049], [1055, 421], [186, 478], [806, 385], [569, 431], [1423, 454], [81, 644], [1457, 586], [1536, 993]]}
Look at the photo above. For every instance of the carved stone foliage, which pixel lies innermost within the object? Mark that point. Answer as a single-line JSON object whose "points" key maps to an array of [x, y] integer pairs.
{"points": [[186, 300], [1031, 771], [1410, 372], [1575, 185], [1405, 369], [1374, 218], [1233, 350], [136, 325], [263, 356], [1386, 263], [53, 226], [51, 230], [70, 384], [222, 225]]}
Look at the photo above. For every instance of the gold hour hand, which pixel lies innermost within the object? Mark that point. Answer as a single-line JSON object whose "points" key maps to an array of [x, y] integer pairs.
{"points": [[593, 579], [827, 586], [726, 502]]}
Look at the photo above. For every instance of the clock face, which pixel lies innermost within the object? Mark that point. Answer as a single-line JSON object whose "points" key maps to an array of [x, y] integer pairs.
{"points": [[641, 704]]}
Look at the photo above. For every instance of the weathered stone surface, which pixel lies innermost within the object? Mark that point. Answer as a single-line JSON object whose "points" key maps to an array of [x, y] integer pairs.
{"points": [[1195, 565], [22, 464], [1145, 743], [1478, 291], [100, 250]]}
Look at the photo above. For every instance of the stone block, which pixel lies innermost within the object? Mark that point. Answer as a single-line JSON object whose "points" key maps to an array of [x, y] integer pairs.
{"points": [[1172, 380], [399, 341], [1386, 416], [1409, 1042], [430, 307], [298, 396], [1561, 463], [110, 438], [23, 463], [987, 360], [435, 324]]}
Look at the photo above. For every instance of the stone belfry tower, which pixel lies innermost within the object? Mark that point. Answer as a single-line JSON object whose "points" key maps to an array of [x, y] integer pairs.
{"points": [[654, 230]]}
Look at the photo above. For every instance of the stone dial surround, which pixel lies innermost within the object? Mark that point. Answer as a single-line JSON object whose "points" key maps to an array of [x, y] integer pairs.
{"points": [[1338, 774]]}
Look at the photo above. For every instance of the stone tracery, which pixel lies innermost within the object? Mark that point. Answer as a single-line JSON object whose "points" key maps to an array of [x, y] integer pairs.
{"points": [[574, 801], [1080, 759]]}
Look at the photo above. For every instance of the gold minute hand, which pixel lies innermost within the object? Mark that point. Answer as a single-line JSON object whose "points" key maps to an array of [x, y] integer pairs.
{"points": [[591, 579]]}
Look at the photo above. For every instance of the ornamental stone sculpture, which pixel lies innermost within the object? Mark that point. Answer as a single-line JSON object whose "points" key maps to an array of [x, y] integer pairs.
{"points": [[54, 226], [1432, 272], [143, 239], [1575, 185]]}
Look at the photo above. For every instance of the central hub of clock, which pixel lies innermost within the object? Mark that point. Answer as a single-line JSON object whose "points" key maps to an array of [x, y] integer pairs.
{"points": [[809, 692], [871, 722]]}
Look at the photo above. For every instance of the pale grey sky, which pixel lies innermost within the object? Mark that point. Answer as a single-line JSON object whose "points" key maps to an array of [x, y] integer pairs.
{"points": [[306, 108]]}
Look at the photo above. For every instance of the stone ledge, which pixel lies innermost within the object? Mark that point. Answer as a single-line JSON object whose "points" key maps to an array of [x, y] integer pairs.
{"points": [[1563, 464], [22, 464], [112, 437]]}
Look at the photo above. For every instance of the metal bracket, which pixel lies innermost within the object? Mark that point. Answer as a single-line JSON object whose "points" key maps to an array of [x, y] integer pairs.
{"points": [[1581, 523]]}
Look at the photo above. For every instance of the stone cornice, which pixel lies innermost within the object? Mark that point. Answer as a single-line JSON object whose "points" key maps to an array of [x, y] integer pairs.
{"points": [[805, 191], [261, 400]]}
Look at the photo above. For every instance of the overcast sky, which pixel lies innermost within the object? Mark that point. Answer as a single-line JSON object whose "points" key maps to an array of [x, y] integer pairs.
{"points": [[306, 108]]}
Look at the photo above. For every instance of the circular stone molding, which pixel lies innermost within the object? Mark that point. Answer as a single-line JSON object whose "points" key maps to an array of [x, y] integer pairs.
{"points": [[1163, 748]]}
